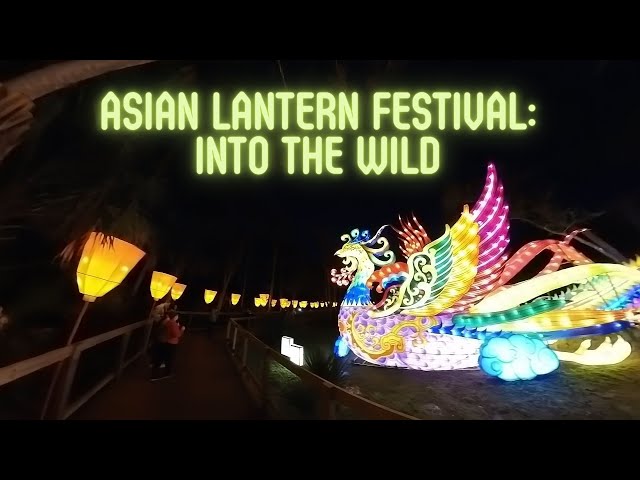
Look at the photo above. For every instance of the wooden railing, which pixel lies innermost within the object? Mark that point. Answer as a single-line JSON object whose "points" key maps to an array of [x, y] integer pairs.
{"points": [[241, 343], [63, 408]]}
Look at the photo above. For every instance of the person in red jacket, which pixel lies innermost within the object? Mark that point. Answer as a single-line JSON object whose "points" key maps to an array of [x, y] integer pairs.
{"points": [[172, 331]]}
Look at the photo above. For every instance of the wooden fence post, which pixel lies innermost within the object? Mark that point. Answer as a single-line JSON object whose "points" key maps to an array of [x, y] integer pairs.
{"points": [[122, 354], [235, 337], [264, 378], [244, 352], [67, 383], [147, 337], [327, 405]]}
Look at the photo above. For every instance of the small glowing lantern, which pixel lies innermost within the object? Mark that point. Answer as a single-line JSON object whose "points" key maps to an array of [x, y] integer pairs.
{"points": [[273, 303], [303, 303], [296, 354], [291, 350], [209, 295], [285, 343], [104, 265], [257, 301], [161, 284], [294, 303], [283, 302], [335, 304], [265, 298], [177, 290], [235, 298]]}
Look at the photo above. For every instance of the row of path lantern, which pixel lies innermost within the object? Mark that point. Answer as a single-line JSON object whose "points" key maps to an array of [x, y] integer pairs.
{"points": [[263, 301], [106, 261]]}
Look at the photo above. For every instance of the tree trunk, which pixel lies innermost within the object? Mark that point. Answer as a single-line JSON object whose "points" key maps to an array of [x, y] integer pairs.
{"points": [[273, 278], [611, 251], [148, 265], [599, 248], [225, 286], [51, 78], [244, 282]]}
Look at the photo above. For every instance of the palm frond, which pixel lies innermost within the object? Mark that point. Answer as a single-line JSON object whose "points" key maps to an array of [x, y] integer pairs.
{"points": [[126, 224], [15, 119], [326, 365], [51, 78]]}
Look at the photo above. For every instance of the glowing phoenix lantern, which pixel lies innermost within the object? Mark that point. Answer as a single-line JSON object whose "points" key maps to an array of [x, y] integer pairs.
{"points": [[467, 304], [284, 303], [161, 284], [303, 303], [177, 290], [209, 295], [235, 298], [104, 265]]}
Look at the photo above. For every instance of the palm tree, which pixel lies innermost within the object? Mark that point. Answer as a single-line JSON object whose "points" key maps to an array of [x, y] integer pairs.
{"points": [[17, 95]]}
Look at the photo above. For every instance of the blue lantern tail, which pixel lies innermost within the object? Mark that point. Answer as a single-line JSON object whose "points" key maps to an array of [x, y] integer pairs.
{"points": [[340, 348]]}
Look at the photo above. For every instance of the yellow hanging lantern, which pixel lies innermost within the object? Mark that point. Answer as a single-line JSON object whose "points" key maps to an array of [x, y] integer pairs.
{"points": [[265, 298], [257, 301], [283, 303], [235, 298], [274, 303], [303, 303], [177, 290], [294, 303], [161, 284], [209, 295], [104, 265]]}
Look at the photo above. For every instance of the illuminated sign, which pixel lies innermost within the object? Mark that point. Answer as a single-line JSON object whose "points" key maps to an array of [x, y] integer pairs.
{"points": [[386, 133], [291, 350]]}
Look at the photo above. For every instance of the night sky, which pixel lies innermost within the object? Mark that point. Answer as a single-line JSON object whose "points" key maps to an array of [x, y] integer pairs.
{"points": [[583, 150]]}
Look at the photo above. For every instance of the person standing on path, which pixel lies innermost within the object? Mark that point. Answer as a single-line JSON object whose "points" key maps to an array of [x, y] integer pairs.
{"points": [[168, 346]]}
